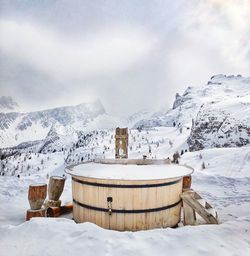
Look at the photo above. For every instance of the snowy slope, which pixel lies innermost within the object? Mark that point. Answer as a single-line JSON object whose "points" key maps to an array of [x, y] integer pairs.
{"points": [[228, 162], [224, 183]]}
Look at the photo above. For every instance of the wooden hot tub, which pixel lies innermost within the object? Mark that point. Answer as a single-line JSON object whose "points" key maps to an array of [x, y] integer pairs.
{"points": [[128, 194]]}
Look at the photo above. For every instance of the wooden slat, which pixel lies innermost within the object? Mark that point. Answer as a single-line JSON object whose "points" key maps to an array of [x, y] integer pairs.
{"points": [[127, 199], [189, 214], [190, 198]]}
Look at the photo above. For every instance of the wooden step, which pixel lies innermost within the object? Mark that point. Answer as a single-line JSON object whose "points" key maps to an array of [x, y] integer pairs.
{"points": [[193, 203]]}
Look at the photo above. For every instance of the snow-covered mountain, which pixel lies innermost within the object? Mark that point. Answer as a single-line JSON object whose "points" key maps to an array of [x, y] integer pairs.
{"points": [[218, 113], [223, 121], [133, 119], [17, 127]]}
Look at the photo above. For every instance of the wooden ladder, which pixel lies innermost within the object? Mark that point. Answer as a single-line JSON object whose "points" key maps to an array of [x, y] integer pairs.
{"points": [[192, 205]]}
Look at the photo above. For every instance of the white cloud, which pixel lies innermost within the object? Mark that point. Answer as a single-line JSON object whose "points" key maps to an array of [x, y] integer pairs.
{"points": [[213, 38], [81, 57], [143, 56]]}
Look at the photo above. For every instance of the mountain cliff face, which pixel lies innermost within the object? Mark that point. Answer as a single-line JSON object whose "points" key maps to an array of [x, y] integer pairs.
{"points": [[218, 112], [17, 127], [224, 121]]}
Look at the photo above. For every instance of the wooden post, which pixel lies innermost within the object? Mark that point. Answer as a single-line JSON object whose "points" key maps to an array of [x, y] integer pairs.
{"points": [[36, 195], [187, 181], [121, 142], [56, 185], [52, 203], [189, 214]]}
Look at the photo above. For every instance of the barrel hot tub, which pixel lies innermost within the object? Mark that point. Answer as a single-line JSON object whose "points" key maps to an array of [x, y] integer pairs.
{"points": [[128, 194]]}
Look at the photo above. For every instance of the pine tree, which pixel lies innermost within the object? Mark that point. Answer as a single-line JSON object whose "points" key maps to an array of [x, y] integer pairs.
{"points": [[203, 166]]}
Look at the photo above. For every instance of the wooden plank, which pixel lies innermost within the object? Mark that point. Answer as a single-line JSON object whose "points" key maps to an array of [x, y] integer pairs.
{"points": [[35, 213], [189, 214], [189, 199], [207, 205]]}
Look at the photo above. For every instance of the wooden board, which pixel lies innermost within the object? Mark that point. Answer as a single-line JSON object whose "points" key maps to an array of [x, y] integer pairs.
{"points": [[57, 211], [189, 214], [35, 213], [191, 203]]}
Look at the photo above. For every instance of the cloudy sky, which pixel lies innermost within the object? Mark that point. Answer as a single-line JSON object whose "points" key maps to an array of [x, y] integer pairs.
{"points": [[131, 55]]}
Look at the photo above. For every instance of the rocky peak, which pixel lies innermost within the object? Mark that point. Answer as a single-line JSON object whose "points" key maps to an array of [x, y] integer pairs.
{"points": [[177, 101]]}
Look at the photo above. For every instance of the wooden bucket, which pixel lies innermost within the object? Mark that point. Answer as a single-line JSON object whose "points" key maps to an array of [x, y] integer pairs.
{"points": [[56, 185], [36, 195], [187, 181]]}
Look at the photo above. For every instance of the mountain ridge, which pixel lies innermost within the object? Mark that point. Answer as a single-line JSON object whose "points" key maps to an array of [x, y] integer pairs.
{"points": [[16, 128], [215, 115]]}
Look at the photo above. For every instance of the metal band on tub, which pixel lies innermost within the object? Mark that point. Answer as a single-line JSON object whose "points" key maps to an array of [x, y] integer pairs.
{"points": [[126, 185], [127, 211]]}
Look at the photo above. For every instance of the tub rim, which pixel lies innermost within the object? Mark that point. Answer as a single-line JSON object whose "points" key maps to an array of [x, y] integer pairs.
{"points": [[69, 170]]}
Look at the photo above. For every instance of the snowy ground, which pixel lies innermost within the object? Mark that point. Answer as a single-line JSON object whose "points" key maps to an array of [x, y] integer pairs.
{"points": [[225, 183], [64, 237]]}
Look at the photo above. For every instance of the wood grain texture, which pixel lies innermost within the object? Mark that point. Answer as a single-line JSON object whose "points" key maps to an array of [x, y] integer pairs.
{"points": [[191, 199], [121, 142], [127, 199], [55, 189], [57, 211], [187, 181], [36, 195], [189, 214], [35, 213]]}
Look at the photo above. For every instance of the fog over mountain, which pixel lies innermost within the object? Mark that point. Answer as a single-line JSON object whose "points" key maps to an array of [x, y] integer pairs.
{"points": [[132, 55]]}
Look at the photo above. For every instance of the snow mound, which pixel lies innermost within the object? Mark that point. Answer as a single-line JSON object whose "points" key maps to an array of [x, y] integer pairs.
{"points": [[42, 236]]}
